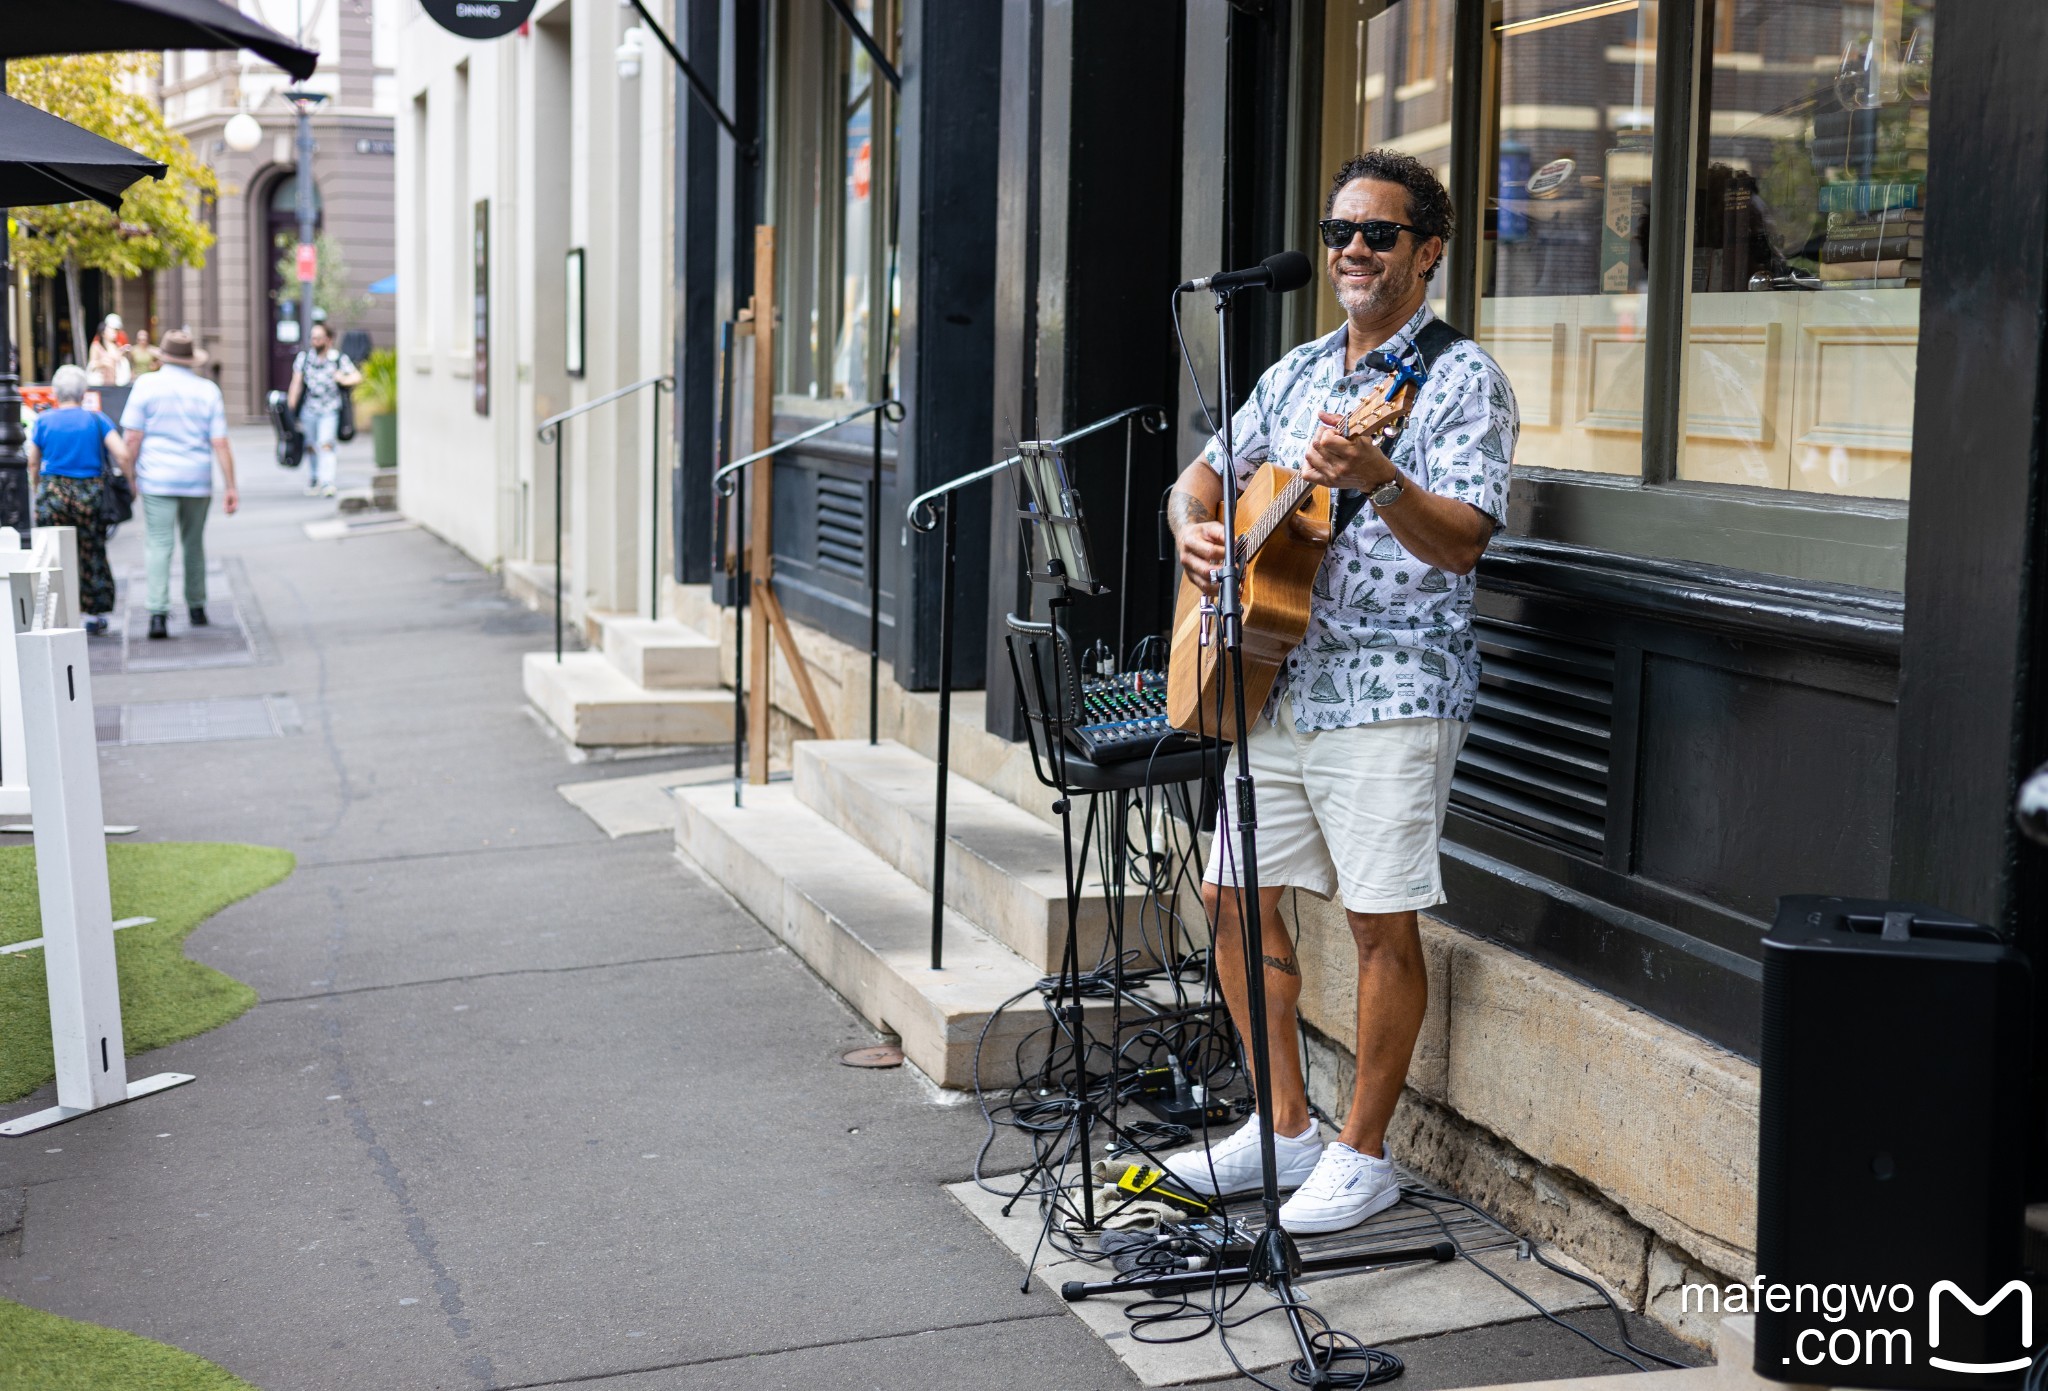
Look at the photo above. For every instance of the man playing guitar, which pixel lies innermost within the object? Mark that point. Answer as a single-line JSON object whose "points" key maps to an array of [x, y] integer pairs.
{"points": [[1352, 757]]}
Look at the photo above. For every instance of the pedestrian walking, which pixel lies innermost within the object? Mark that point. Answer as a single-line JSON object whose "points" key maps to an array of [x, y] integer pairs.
{"points": [[319, 377], [177, 427], [106, 362], [142, 355], [68, 447]]}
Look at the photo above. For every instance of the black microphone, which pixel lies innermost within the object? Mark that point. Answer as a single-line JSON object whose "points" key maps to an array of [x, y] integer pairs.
{"points": [[1281, 272]]}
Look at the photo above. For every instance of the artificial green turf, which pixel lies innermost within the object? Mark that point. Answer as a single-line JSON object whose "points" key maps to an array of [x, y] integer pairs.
{"points": [[42, 1352], [164, 996]]}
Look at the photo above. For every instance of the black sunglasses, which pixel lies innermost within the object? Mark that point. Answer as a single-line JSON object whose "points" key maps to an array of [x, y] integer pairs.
{"points": [[1380, 236]]}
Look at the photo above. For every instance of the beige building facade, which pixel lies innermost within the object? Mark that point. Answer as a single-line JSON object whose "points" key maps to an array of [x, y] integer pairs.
{"points": [[524, 163]]}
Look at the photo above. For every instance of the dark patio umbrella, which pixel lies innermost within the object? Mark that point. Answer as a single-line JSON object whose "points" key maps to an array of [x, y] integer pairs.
{"points": [[40, 28], [45, 160]]}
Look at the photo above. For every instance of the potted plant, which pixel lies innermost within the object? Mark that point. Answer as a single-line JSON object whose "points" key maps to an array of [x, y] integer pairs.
{"points": [[377, 398]]}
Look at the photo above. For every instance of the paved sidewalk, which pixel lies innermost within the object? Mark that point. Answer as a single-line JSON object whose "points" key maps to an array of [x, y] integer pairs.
{"points": [[523, 1105]]}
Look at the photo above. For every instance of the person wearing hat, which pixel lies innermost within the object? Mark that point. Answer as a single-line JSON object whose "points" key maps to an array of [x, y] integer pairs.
{"points": [[177, 430]]}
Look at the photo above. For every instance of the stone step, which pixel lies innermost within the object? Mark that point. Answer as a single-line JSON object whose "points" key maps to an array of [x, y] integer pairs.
{"points": [[1004, 867], [865, 929], [594, 705], [660, 654]]}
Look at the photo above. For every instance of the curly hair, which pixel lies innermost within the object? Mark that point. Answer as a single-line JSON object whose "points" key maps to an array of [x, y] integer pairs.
{"points": [[1429, 206]]}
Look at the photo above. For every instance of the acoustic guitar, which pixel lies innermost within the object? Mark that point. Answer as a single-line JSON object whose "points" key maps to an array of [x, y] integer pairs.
{"points": [[1283, 532]]}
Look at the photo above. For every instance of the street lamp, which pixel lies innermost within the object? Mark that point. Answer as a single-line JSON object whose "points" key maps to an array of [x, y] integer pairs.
{"points": [[242, 133], [303, 103]]}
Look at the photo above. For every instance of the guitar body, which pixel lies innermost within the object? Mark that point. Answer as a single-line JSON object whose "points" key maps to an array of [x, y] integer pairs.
{"points": [[1275, 595]]}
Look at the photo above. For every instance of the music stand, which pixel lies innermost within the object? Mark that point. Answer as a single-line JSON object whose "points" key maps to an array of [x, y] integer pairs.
{"points": [[1055, 531], [1056, 546]]}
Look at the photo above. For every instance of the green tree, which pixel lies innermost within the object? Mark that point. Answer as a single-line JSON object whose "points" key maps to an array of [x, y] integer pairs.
{"points": [[331, 294], [159, 224]]}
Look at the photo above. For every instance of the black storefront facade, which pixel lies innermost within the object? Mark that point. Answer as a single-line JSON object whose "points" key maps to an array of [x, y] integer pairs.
{"points": [[1769, 278]]}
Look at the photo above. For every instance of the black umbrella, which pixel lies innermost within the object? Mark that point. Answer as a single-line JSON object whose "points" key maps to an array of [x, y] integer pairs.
{"points": [[41, 28], [45, 160]]}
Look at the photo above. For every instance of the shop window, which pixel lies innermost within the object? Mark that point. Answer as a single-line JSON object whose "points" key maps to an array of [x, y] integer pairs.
{"points": [[1386, 83], [1565, 263], [1810, 197], [1420, 60], [835, 133]]}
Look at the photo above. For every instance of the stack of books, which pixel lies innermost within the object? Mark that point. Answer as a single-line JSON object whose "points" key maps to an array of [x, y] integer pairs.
{"points": [[1874, 235]]}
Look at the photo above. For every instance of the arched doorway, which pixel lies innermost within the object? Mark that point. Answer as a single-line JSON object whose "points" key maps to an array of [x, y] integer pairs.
{"points": [[279, 311]]}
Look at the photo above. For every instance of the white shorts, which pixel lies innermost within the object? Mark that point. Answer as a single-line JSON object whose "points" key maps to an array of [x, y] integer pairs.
{"points": [[1356, 812]]}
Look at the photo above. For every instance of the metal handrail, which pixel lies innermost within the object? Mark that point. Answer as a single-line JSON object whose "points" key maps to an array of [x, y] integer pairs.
{"points": [[922, 518], [892, 411], [550, 432], [553, 422], [1154, 421]]}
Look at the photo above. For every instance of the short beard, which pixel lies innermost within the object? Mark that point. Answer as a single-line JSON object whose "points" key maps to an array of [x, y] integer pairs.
{"points": [[1390, 287]]}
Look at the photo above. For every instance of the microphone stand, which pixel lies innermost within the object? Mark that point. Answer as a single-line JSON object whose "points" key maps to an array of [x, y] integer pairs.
{"points": [[1274, 1261]]}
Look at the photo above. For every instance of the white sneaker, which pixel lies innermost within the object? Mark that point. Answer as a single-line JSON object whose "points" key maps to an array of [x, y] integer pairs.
{"points": [[1231, 1165], [1346, 1188]]}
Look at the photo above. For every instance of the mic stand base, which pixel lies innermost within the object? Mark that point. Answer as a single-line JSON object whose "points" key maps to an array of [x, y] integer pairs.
{"points": [[1190, 1281]]}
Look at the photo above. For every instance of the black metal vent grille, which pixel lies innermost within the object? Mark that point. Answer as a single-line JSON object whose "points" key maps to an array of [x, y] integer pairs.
{"points": [[843, 526], [1536, 757]]}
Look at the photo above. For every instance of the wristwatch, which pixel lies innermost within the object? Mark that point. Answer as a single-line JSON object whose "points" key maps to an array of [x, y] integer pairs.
{"points": [[1387, 492]]}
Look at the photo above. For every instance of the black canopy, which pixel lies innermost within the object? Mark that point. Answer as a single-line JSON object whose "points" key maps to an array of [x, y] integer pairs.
{"points": [[41, 28], [45, 160]]}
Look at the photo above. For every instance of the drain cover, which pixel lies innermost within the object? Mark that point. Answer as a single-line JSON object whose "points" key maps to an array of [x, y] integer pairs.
{"points": [[198, 721], [880, 1055]]}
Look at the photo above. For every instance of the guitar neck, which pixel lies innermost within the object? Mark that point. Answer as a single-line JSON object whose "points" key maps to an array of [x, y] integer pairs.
{"points": [[1389, 408]]}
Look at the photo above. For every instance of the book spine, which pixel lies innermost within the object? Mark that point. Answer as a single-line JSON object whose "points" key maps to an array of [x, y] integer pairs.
{"points": [[1869, 270], [1870, 248], [1866, 198]]}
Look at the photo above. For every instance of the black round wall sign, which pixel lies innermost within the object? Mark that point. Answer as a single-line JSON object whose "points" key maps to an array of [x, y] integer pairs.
{"points": [[479, 19]]}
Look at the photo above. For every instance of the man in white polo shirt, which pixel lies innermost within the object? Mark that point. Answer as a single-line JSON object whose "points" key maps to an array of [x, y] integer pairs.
{"points": [[177, 427]]}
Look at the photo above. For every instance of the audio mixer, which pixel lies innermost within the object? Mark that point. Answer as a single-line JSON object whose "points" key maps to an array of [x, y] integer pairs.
{"points": [[1123, 717]]}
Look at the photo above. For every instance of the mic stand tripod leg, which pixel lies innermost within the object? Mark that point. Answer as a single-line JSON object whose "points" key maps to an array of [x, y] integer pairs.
{"points": [[1187, 1282]]}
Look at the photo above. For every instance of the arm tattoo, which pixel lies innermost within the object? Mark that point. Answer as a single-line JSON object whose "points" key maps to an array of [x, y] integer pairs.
{"points": [[1183, 509], [1283, 964]]}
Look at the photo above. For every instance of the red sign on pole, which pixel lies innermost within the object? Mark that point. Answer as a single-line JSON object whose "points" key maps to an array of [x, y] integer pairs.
{"points": [[309, 262]]}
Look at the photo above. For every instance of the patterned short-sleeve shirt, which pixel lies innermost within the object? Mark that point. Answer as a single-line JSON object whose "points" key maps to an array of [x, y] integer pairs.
{"points": [[1389, 637], [317, 372]]}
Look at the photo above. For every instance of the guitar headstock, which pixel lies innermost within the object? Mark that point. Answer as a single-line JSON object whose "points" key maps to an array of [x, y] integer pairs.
{"points": [[1380, 416]]}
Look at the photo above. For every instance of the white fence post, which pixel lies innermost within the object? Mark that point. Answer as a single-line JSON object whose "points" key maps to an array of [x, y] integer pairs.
{"points": [[61, 553], [71, 874], [20, 617]]}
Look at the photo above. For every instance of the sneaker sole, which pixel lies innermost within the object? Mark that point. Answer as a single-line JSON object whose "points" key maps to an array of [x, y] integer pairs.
{"points": [[1312, 1226], [1202, 1190]]}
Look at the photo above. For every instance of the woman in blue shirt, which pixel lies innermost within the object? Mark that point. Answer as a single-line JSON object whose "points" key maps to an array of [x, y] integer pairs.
{"points": [[66, 469]]}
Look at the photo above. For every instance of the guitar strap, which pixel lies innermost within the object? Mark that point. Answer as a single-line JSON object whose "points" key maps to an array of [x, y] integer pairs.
{"points": [[1431, 342]]}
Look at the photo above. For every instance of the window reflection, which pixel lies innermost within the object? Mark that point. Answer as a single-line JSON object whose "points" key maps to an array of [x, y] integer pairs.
{"points": [[850, 356], [1807, 240], [835, 130], [1565, 262]]}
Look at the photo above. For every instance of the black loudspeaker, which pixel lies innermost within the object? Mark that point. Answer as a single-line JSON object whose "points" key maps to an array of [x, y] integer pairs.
{"points": [[1892, 1150]]}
